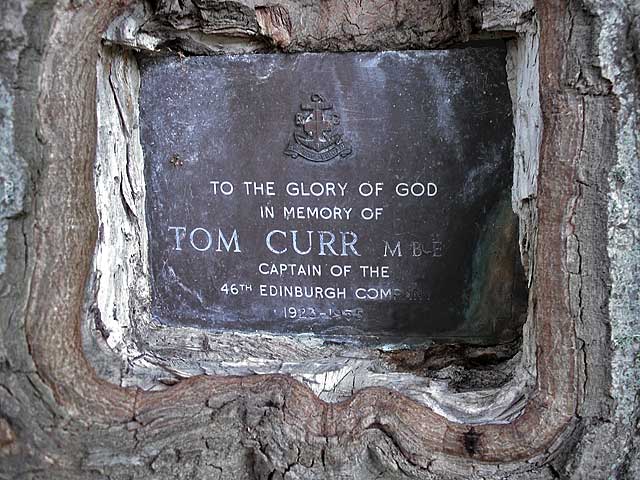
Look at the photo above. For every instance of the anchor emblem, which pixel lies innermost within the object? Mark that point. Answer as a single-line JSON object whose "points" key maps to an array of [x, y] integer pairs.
{"points": [[317, 138]]}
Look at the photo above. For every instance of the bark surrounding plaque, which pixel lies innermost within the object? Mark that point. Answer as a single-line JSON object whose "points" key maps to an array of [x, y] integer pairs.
{"points": [[60, 419]]}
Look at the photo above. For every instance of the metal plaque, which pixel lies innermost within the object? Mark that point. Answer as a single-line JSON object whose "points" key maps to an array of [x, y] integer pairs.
{"points": [[359, 196]]}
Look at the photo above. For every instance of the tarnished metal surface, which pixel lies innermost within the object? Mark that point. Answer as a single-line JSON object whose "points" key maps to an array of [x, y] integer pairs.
{"points": [[351, 195]]}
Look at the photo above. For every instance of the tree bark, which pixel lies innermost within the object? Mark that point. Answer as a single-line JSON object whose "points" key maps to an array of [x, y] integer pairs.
{"points": [[60, 418]]}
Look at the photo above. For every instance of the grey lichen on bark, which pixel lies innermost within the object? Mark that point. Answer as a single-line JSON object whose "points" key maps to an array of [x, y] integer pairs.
{"points": [[13, 168], [616, 57]]}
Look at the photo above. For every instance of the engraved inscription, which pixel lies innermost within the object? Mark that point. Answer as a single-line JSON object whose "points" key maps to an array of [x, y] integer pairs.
{"points": [[385, 221]]}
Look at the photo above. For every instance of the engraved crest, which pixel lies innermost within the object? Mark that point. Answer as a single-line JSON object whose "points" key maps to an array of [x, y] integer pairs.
{"points": [[317, 137]]}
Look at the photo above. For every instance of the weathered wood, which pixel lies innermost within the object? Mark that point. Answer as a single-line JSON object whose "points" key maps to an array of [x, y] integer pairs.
{"points": [[60, 419], [154, 355]]}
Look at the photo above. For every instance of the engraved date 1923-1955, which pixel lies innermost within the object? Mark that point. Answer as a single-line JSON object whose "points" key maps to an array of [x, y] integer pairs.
{"points": [[312, 312]]}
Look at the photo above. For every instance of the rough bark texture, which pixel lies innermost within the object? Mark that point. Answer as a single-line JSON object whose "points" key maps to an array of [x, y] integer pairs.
{"points": [[133, 350], [61, 419]]}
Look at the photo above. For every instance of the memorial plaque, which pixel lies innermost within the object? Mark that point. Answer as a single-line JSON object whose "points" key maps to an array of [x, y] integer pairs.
{"points": [[363, 196]]}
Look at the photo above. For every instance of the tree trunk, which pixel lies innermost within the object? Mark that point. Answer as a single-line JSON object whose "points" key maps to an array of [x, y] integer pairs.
{"points": [[73, 404]]}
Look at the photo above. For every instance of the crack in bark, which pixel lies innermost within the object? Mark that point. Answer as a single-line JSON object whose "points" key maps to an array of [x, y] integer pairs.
{"points": [[392, 437]]}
